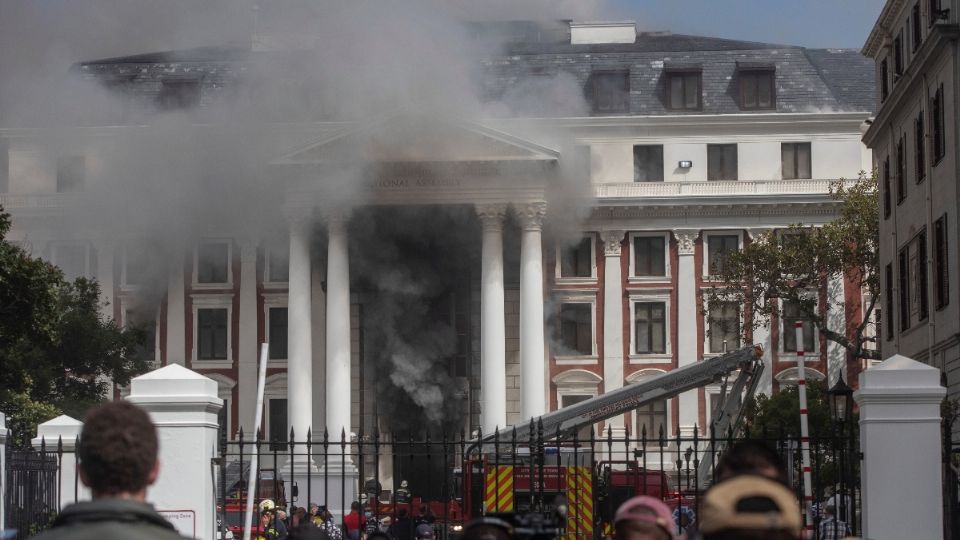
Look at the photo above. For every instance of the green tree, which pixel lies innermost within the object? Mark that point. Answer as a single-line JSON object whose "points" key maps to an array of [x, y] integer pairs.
{"points": [[56, 349], [790, 267]]}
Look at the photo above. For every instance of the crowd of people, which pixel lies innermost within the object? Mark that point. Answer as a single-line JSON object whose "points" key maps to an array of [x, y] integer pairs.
{"points": [[117, 459]]}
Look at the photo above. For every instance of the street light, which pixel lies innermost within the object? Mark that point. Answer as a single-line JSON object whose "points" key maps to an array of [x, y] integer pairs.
{"points": [[841, 401], [841, 407]]}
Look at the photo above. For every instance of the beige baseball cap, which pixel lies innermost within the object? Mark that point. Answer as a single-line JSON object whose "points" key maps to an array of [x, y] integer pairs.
{"points": [[750, 503]]}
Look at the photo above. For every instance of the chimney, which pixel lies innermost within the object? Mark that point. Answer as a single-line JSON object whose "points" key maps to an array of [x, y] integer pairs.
{"points": [[593, 33]]}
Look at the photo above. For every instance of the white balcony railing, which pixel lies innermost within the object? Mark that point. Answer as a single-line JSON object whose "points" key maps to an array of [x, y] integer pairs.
{"points": [[722, 187]]}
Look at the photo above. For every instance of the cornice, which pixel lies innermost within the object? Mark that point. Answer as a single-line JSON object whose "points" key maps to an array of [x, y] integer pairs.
{"points": [[880, 28], [715, 210]]}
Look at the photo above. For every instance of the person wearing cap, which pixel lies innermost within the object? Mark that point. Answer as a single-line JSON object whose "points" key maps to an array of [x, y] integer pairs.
{"points": [[424, 532], [643, 518], [750, 508], [268, 525]]}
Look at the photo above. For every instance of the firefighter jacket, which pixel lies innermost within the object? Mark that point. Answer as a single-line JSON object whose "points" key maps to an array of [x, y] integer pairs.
{"points": [[110, 518]]}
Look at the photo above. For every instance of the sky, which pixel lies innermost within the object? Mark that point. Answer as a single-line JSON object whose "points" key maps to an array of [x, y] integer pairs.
{"points": [[809, 23]]}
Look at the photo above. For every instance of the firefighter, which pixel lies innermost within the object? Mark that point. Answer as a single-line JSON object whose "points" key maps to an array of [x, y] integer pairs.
{"points": [[403, 493]]}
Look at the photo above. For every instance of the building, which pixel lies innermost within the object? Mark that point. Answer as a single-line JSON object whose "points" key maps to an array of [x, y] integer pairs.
{"points": [[914, 142], [694, 145]]}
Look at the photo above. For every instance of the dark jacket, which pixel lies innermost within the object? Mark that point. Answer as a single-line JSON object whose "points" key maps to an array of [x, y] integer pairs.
{"points": [[108, 519]]}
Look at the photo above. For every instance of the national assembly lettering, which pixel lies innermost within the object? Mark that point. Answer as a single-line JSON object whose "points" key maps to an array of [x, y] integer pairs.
{"points": [[418, 182]]}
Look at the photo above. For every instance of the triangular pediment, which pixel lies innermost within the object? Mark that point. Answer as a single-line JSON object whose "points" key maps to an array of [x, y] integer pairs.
{"points": [[418, 138]]}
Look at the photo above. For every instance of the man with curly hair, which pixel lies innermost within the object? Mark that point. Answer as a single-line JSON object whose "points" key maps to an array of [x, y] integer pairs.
{"points": [[117, 455]]}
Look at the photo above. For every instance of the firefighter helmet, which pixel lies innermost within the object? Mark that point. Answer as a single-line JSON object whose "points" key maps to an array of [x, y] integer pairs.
{"points": [[267, 504]]}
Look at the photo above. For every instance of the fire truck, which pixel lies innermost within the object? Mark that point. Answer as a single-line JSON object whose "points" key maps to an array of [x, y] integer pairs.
{"points": [[521, 473]]}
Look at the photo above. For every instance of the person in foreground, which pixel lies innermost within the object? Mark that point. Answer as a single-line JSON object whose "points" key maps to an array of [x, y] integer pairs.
{"points": [[117, 457], [750, 508], [643, 518]]}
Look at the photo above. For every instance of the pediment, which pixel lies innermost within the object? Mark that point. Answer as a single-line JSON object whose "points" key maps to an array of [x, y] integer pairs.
{"points": [[418, 138]]}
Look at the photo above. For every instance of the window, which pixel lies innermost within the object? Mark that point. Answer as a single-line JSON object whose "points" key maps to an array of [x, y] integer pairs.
{"points": [[721, 162], [650, 330], [795, 159], [212, 334], [652, 421], [610, 91], [918, 266], [576, 329], [648, 163], [178, 95], [71, 173], [683, 89], [790, 315], [74, 259], [649, 256], [904, 283], [724, 326], [567, 400], [577, 260], [888, 298], [918, 151], [939, 144], [277, 332], [718, 248], [897, 56], [884, 77], [134, 265], [277, 422], [901, 173], [757, 90], [941, 263], [143, 318], [917, 32], [278, 264], [886, 188], [213, 262]]}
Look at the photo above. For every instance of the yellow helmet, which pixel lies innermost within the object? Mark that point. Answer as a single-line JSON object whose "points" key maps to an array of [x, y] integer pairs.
{"points": [[267, 504]]}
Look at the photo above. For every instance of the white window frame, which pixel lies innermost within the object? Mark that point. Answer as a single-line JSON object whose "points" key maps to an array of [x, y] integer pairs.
{"points": [[126, 304], [706, 327], [212, 301], [87, 255], [807, 350], [594, 356], [652, 295], [568, 280], [789, 376], [632, 277], [275, 387], [225, 387], [275, 300], [706, 248], [268, 271], [576, 382], [123, 270], [196, 264], [640, 376]]}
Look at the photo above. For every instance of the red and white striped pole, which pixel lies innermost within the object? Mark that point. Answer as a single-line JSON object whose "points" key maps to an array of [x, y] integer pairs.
{"points": [[804, 434]]}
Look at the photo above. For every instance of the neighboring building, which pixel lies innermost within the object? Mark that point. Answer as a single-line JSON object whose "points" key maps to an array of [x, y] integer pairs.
{"points": [[695, 146], [915, 146]]}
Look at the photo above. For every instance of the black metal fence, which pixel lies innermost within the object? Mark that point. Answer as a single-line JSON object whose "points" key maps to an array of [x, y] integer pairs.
{"points": [[34, 487], [404, 479]]}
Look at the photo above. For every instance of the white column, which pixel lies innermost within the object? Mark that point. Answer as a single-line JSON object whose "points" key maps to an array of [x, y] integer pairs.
{"points": [[493, 352], [761, 335], [248, 350], [533, 398], [613, 318], [66, 430], [3, 471], [687, 315], [183, 405], [176, 333], [299, 347], [900, 423]]}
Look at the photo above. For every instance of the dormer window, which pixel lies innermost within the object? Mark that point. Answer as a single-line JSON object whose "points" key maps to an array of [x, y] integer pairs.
{"points": [[684, 87], [757, 85], [609, 91]]}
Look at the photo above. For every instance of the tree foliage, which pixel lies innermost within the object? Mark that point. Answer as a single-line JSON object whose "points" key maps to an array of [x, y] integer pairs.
{"points": [[791, 266], [56, 349]]}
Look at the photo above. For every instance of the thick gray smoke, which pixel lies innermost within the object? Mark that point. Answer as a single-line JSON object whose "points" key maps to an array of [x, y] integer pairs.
{"points": [[173, 178]]}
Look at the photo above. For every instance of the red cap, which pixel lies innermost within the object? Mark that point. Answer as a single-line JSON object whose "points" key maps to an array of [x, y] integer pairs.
{"points": [[646, 509]]}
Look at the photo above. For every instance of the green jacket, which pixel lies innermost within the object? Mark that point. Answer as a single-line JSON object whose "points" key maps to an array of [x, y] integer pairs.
{"points": [[108, 519]]}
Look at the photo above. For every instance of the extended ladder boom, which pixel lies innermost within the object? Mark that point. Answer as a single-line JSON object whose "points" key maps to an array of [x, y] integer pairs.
{"points": [[568, 420]]}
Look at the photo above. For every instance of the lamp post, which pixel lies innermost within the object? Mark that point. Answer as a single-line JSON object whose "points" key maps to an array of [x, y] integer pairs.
{"points": [[841, 408]]}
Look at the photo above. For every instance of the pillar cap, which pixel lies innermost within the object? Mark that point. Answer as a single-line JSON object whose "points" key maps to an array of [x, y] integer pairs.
{"points": [[903, 379], [173, 382], [62, 427]]}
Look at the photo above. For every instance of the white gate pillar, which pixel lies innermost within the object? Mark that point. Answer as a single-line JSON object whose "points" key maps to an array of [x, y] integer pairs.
{"points": [[184, 406], [899, 425], [50, 434]]}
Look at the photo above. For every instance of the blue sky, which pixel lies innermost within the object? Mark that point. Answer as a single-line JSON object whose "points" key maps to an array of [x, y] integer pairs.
{"points": [[810, 23]]}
